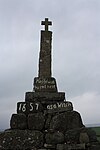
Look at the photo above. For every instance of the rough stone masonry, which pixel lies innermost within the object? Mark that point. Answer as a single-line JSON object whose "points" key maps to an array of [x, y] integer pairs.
{"points": [[45, 120]]}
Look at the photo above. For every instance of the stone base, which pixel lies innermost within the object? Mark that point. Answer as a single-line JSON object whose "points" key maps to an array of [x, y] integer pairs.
{"points": [[21, 140], [18, 121], [55, 121], [66, 121], [36, 140], [48, 131]]}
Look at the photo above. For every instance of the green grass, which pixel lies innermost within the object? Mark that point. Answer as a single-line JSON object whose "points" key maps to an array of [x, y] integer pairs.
{"points": [[97, 130]]}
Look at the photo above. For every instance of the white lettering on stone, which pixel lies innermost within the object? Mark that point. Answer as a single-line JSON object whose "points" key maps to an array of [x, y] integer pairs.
{"points": [[68, 104], [49, 107], [45, 81], [59, 105], [37, 106], [24, 107], [31, 106], [20, 106], [50, 86], [54, 106], [43, 87], [40, 87], [36, 87]]}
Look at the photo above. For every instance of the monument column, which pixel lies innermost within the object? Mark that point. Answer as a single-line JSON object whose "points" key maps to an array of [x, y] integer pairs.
{"points": [[45, 51], [45, 82]]}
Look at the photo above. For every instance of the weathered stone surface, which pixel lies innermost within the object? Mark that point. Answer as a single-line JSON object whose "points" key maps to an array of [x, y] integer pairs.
{"points": [[48, 120], [36, 121], [45, 54], [21, 140], [70, 147], [18, 121], [54, 138], [84, 138], [44, 97], [94, 146], [92, 134], [65, 121], [72, 136]]}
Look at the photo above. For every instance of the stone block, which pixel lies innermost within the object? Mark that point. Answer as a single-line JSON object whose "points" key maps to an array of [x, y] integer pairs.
{"points": [[84, 138], [72, 136], [59, 107], [29, 97], [76, 120], [92, 134], [45, 84], [18, 121], [80, 135], [29, 107], [66, 121], [22, 108], [44, 97], [36, 121], [54, 138]]}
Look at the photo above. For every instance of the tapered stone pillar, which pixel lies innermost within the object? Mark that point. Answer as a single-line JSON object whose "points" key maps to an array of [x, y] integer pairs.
{"points": [[45, 82], [45, 55]]}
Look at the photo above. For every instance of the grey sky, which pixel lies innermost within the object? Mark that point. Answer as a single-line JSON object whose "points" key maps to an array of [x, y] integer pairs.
{"points": [[76, 54]]}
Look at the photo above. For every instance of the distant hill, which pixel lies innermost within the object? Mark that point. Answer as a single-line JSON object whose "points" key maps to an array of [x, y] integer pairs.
{"points": [[92, 125], [1, 130]]}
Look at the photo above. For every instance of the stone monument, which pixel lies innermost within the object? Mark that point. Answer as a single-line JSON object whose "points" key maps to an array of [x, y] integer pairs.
{"points": [[45, 120]]}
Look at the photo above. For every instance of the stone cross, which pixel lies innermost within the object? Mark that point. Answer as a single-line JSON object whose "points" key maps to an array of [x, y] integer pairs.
{"points": [[46, 23]]}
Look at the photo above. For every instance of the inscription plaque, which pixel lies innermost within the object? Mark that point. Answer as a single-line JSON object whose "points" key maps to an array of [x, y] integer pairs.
{"points": [[28, 107], [60, 107], [45, 85]]}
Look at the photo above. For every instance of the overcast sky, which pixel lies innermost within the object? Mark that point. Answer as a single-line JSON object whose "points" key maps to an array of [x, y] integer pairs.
{"points": [[75, 49]]}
